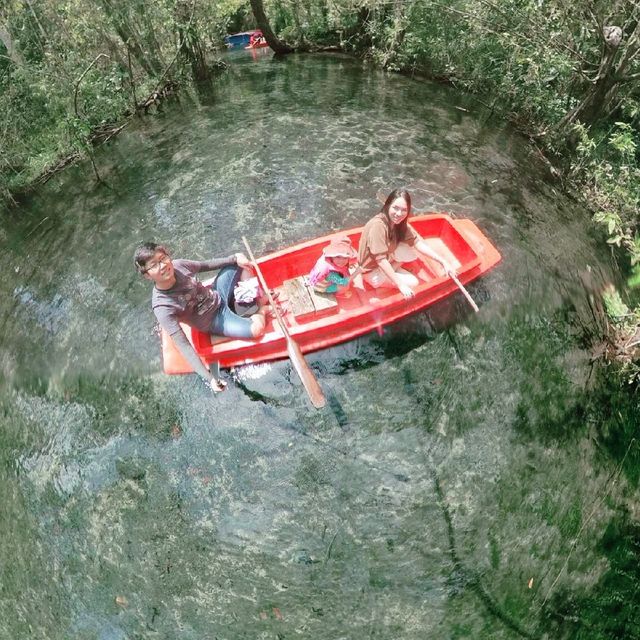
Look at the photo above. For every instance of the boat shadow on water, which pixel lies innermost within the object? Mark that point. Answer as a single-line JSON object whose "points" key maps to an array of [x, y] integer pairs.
{"points": [[260, 383]]}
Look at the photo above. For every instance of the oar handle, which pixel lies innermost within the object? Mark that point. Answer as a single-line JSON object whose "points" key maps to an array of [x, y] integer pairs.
{"points": [[457, 282], [309, 381], [266, 289]]}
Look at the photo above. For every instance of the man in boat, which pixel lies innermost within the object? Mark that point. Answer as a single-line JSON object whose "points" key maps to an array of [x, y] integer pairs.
{"points": [[388, 241], [179, 297]]}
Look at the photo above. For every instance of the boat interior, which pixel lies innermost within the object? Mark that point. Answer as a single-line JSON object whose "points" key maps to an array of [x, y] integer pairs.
{"points": [[286, 274]]}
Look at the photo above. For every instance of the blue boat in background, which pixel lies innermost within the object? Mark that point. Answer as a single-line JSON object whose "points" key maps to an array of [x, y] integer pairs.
{"points": [[241, 39]]}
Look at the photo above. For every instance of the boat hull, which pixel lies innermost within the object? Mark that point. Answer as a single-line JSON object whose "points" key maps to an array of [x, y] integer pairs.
{"points": [[242, 39], [358, 311]]}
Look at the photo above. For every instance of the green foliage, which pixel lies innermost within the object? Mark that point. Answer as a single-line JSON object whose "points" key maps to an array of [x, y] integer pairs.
{"points": [[606, 163], [611, 609], [58, 42], [614, 305]]}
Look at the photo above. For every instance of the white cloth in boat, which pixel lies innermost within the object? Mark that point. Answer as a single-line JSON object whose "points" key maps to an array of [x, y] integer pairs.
{"points": [[403, 253], [246, 291]]}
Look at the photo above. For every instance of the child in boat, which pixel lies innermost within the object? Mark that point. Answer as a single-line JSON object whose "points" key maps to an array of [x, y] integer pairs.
{"points": [[331, 271]]}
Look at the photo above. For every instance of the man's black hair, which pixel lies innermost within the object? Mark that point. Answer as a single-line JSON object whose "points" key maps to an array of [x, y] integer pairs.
{"points": [[145, 252]]}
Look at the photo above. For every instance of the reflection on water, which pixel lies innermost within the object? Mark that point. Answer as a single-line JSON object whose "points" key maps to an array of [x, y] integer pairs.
{"points": [[438, 495]]}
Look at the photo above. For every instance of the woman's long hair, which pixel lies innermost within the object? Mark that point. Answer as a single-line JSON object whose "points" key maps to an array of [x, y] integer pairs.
{"points": [[398, 230]]}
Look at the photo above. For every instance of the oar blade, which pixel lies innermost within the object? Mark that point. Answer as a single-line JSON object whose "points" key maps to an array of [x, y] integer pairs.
{"points": [[305, 374], [309, 381]]}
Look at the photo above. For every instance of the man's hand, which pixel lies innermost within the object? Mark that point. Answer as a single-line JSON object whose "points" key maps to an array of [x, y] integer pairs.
{"points": [[243, 262], [217, 385]]}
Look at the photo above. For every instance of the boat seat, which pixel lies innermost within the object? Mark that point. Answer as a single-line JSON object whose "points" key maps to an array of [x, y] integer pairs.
{"points": [[303, 301]]}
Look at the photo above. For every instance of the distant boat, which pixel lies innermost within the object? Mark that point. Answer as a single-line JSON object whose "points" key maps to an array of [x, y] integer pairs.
{"points": [[316, 321], [241, 39], [257, 41], [257, 45]]}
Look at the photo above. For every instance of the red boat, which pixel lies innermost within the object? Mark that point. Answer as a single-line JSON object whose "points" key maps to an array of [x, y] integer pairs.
{"points": [[257, 41], [316, 321]]}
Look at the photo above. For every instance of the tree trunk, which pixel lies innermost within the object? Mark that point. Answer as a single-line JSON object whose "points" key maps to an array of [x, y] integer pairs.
{"points": [[265, 27], [12, 51], [399, 32], [151, 40], [596, 94], [191, 47], [131, 40], [112, 46], [359, 36], [600, 94], [296, 22]]}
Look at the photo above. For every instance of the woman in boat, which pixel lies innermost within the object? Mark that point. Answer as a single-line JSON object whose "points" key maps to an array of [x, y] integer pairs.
{"points": [[179, 297], [388, 241], [331, 272]]}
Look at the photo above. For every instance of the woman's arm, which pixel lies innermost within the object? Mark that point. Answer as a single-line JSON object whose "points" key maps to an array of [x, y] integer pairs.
{"points": [[357, 270], [427, 251]]}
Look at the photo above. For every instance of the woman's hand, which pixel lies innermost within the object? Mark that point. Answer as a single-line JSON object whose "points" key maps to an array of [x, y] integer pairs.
{"points": [[407, 292], [243, 262], [448, 267]]}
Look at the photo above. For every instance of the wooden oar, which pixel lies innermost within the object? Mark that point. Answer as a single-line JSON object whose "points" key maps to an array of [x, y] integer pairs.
{"points": [[382, 198], [303, 370], [465, 293]]}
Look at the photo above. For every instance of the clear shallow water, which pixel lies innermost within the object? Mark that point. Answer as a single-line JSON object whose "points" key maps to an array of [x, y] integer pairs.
{"points": [[454, 466]]}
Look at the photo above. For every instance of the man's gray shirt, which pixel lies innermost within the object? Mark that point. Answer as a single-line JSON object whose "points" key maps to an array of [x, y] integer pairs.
{"points": [[188, 301]]}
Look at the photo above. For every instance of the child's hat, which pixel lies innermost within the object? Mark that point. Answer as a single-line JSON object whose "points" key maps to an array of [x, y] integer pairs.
{"points": [[340, 247]]}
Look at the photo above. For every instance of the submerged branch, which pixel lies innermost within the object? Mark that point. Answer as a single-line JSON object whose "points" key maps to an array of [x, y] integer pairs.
{"points": [[103, 133], [471, 578]]}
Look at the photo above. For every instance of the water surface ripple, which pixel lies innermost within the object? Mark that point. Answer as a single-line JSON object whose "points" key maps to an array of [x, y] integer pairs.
{"points": [[437, 496]]}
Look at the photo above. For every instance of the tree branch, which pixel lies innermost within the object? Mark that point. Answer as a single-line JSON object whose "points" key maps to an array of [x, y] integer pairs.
{"points": [[133, 85], [14, 53], [631, 50], [79, 80], [178, 49], [263, 23], [597, 21], [538, 29], [629, 78]]}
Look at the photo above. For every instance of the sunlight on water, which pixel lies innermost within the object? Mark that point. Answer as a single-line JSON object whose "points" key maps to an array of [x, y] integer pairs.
{"points": [[450, 487]]}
